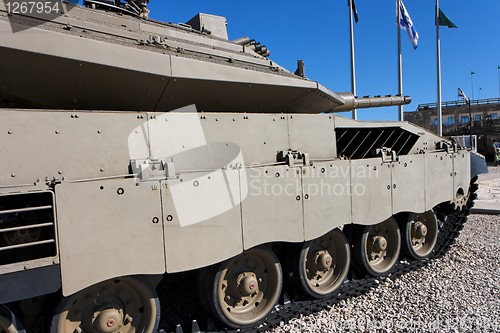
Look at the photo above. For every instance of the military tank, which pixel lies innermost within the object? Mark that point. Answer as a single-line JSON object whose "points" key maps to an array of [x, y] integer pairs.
{"points": [[134, 150]]}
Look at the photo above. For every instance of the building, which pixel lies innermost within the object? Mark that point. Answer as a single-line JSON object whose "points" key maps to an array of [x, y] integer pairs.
{"points": [[456, 120]]}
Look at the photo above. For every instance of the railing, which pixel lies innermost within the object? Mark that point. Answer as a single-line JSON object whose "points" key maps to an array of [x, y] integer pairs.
{"points": [[465, 141], [485, 101]]}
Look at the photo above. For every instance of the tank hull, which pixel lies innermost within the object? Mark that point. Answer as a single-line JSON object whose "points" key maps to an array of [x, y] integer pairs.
{"points": [[136, 170]]}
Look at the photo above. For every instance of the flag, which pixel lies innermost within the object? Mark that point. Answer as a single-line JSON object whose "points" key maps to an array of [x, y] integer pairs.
{"points": [[444, 20], [406, 23], [461, 94], [472, 73], [354, 10]]}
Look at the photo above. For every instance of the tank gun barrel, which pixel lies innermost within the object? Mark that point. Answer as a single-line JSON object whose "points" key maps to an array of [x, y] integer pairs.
{"points": [[353, 102]]}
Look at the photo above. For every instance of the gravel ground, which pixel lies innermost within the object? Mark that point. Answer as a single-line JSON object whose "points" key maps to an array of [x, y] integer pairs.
{"points": [[459, 292]]}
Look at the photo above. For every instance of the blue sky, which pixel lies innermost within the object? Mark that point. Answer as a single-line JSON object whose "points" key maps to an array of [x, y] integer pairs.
{"points": [[317, 32]]}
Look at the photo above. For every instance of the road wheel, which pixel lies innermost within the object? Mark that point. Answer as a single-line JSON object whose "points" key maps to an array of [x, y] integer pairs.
{"points": [[420, 235], [376, 247], [126, 305], [8, 322], [246, 288], [322, 264]]}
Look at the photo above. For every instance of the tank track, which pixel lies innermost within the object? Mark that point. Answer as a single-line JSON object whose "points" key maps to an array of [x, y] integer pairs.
{"points": [[451, 223]]}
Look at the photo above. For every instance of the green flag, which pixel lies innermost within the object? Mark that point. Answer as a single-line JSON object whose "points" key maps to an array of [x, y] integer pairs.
{"points": [[444, 20]]}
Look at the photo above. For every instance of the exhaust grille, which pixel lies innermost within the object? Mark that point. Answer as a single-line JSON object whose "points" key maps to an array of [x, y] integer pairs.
{"points": [[358, 143], [27, 230]]}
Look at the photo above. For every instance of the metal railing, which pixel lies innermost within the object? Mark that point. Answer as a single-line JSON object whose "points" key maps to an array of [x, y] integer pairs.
{"points": [[486, 101], [465, 141]]}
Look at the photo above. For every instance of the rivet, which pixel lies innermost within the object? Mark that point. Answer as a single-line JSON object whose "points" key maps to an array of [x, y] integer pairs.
{"points": [[101, 169], [13, 175], [98, 132], [57, 132], [59, 172], [9, 132]]}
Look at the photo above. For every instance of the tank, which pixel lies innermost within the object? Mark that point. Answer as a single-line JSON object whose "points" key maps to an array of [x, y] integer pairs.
{"points": [[144, 161]]}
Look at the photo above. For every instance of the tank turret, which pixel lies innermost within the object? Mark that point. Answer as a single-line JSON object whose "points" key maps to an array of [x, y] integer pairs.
{"points": [[129, 63]]}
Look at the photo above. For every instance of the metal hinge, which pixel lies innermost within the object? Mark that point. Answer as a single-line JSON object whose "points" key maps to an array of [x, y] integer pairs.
{"points": [[292, 156], [449, 147], [388, 155], [148, 169]]}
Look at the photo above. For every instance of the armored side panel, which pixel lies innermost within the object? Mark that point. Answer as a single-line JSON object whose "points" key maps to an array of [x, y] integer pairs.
{"points": [[327, 194], [408, 184], [108, 228]]}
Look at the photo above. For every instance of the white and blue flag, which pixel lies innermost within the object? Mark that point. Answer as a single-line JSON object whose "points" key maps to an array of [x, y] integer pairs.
{"points": [[461, 94], [406, 23]]}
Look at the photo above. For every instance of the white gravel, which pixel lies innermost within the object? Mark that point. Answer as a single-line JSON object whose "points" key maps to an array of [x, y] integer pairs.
{"points": [[459, 292]]}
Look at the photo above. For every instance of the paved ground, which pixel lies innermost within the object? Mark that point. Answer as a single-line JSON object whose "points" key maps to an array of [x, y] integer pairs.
{"points": [[488, 195]]}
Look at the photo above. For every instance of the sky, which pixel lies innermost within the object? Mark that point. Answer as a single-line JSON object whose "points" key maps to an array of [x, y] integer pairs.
{"points": [[318, 32]]}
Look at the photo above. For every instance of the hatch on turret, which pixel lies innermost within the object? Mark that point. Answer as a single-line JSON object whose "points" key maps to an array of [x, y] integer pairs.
{"points": [[210, 24]]}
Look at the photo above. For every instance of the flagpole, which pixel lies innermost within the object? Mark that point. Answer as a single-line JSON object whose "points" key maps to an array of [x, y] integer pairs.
{"points": [[472, 83], [498, 69], [353, 65], [400, 62], [438, 47]]}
